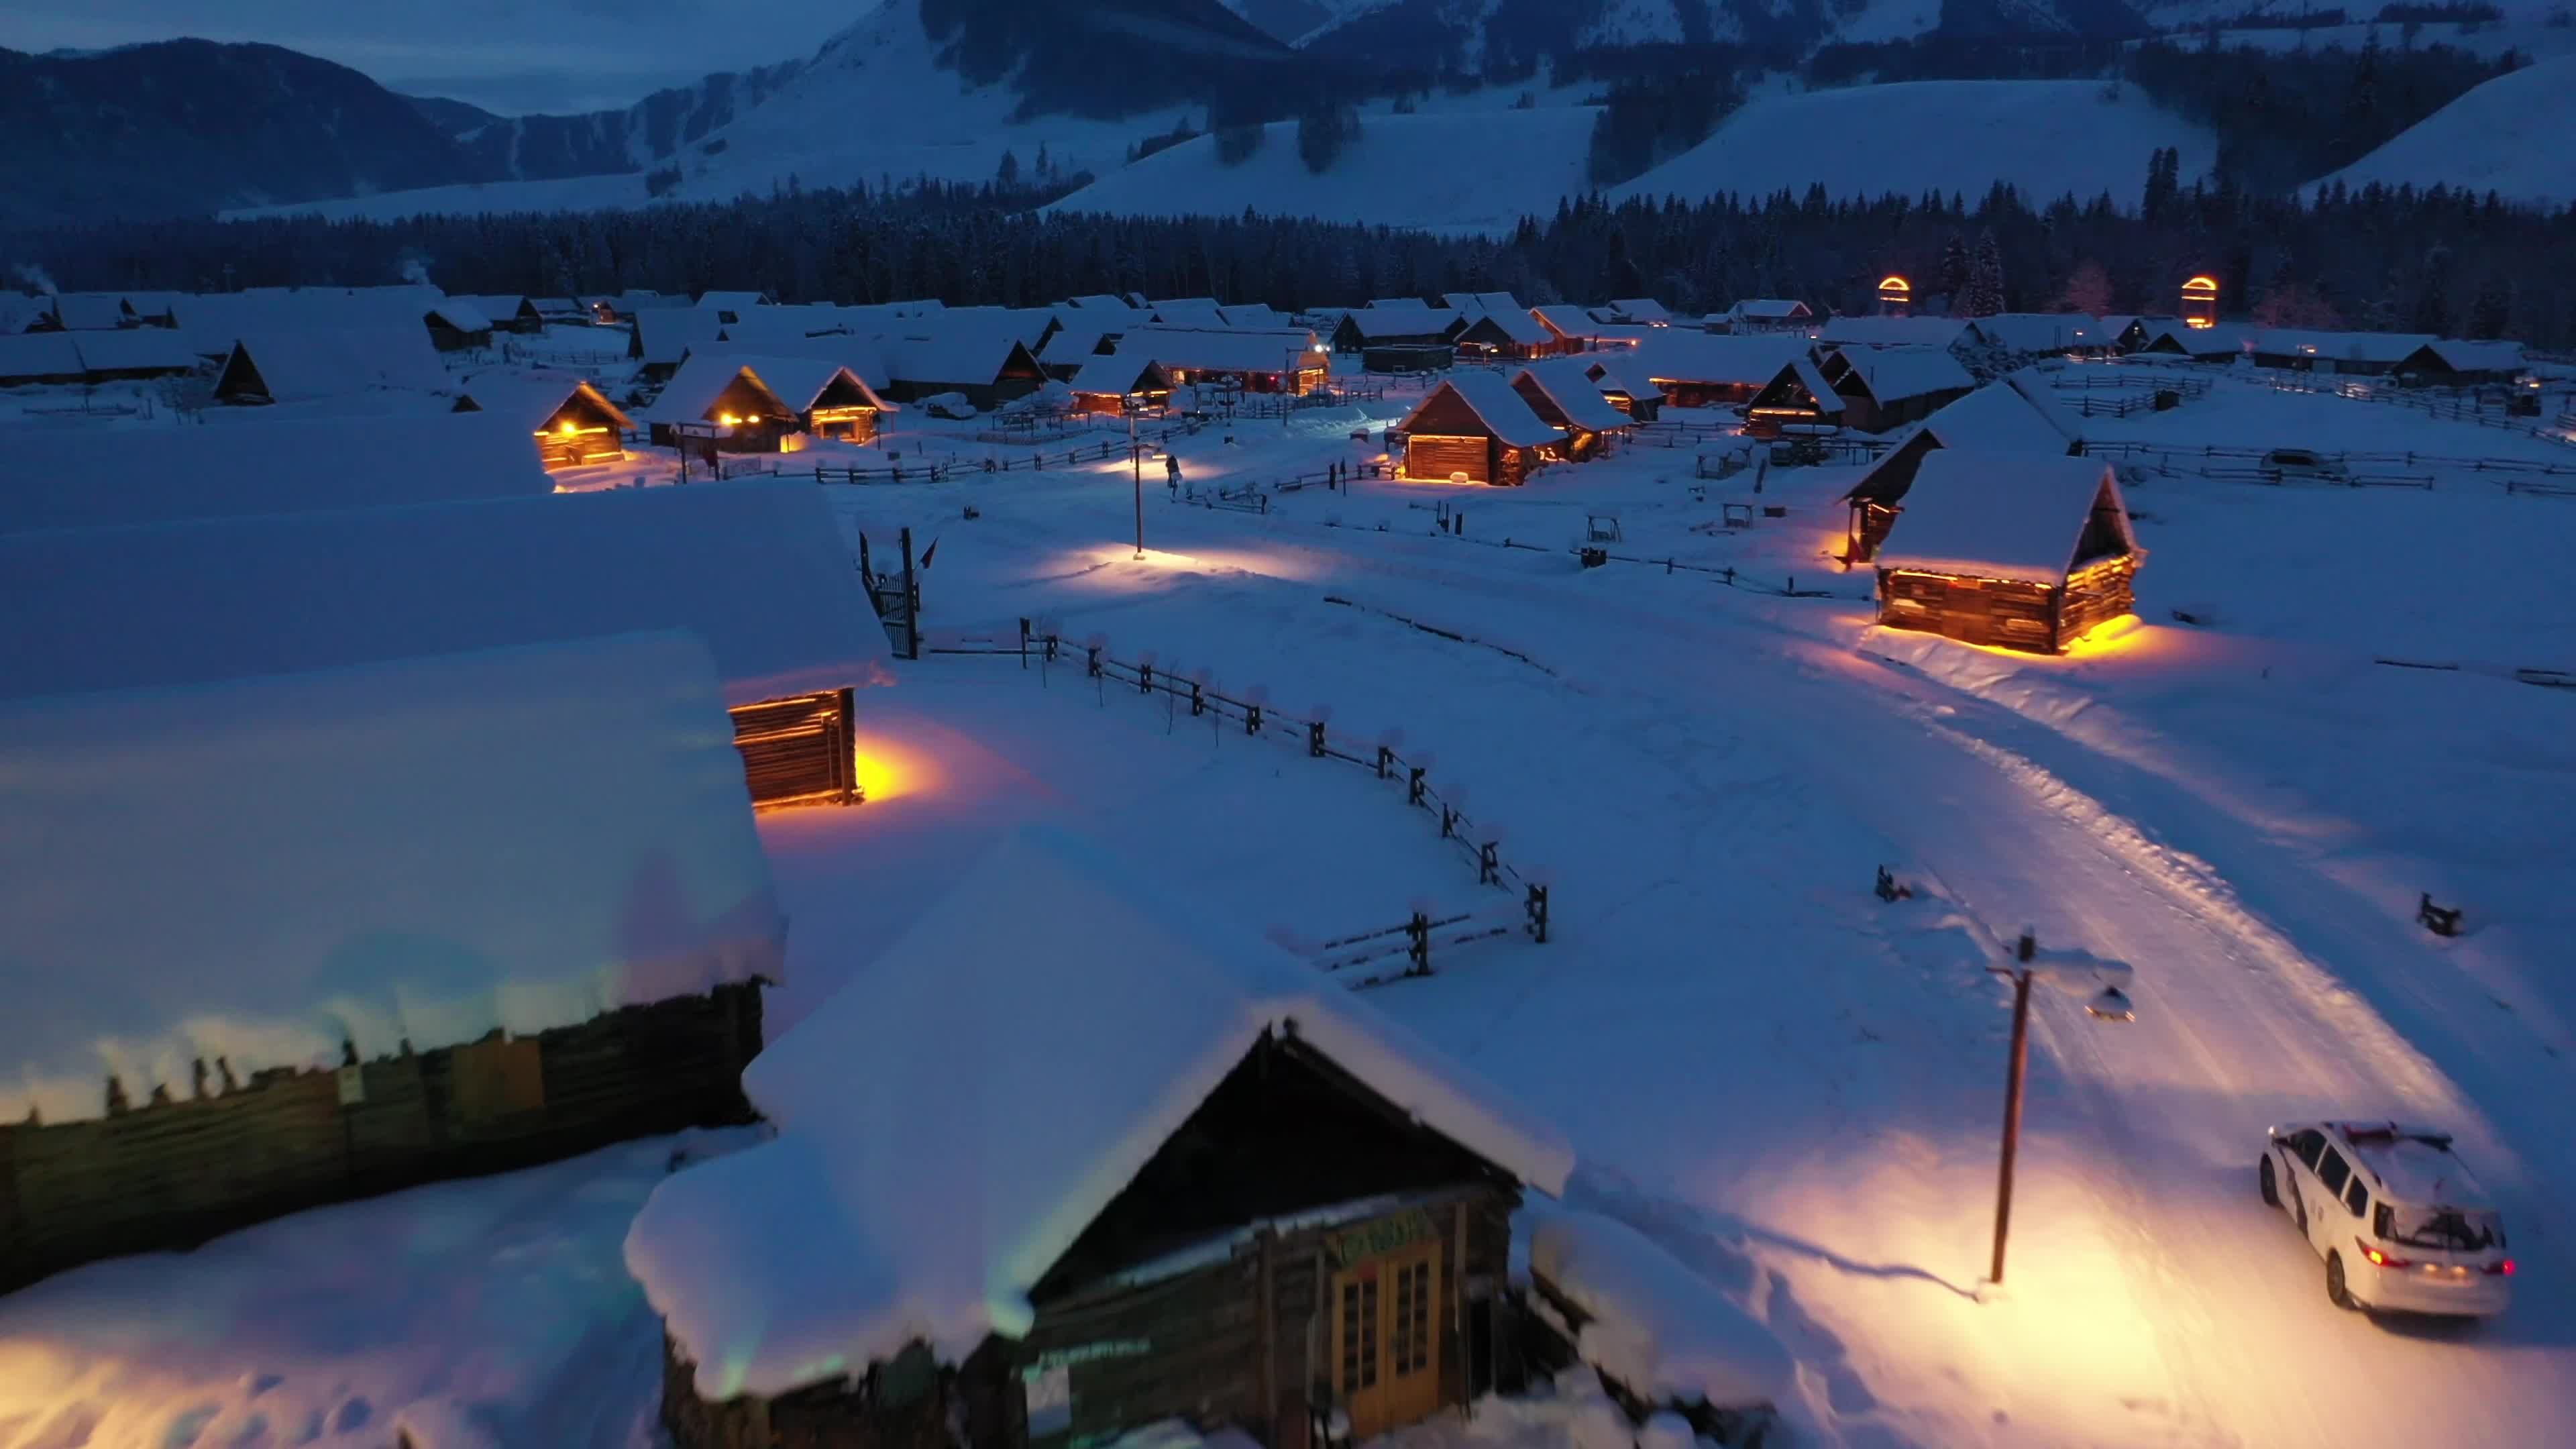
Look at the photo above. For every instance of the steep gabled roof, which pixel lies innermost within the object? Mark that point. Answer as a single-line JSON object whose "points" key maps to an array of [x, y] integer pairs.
{"points": [[526, 402], [1258, 316], [1119, 373], [864, 356], [2001, 515], [405, 855], [1679, 355], [1073, 345], [1197, 313], [2466, 356], [1640, 309], [1505, 413], [756, 569], [1620, 370], [1516, 326], [666, 335], [2383, 348], [1769, 309], [1399, 317], [777, 324], [966, 352], [734, 302], [1893, 331], [2033, 333], [695, 390], [801, 381], [305, 366], [1892, 374], [1563, 381], [2014, 415], [88, 311], [928, 1199], [1221, 349], [1567, 320], [38, 356]]}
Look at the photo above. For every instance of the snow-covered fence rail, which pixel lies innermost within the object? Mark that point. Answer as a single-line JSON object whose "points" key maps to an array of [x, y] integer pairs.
{"points": [[1362, 958], [1680, 434], [2546, 678], [890, 473], [2450, 405], [2251, 464]]}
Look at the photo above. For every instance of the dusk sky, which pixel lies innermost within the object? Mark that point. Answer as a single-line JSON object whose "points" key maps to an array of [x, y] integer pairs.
{"points": [[512, 56]]}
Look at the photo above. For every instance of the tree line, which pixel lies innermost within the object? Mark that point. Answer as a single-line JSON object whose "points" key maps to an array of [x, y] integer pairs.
{"points": [[2435, 261]]}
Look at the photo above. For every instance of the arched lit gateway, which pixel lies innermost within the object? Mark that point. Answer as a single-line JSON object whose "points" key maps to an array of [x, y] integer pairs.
{"points": [[2200, 301], [1895, 296]]}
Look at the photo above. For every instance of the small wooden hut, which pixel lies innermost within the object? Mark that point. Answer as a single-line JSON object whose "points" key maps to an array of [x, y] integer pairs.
{"points": [[2008, 415], [293, 939], [1797, 396], [1115, 383], [1564, 397], [574, 423], [1628, 380], [663, 337], [457, 324], [1181, 1175], [2013, 550], [1475, 426], [1887, 387], [722, 388]]}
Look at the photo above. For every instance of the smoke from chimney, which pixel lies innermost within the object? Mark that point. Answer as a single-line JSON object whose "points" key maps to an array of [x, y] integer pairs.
{"points": [[36, 277]]}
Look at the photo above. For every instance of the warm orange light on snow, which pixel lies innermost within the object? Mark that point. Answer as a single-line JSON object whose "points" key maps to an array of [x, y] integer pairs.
{"points": [[890, 769]]}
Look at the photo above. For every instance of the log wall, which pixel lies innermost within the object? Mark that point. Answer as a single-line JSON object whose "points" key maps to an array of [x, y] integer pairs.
{"points": [[172, 1174]]}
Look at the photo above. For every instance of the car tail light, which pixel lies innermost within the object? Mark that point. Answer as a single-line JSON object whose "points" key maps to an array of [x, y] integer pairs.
{"points": [[2377, 1258], [2500, 1270]]}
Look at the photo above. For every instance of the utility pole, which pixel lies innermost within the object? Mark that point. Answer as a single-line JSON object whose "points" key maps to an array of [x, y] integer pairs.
{"points": [[2075, 972], [1136, 468]]}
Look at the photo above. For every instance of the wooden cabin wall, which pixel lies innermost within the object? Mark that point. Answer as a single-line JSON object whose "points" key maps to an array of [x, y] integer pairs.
{"points": [[1997, 612], [2094, 596], [170, 1175], [907, 1404], [1186, 1347]]}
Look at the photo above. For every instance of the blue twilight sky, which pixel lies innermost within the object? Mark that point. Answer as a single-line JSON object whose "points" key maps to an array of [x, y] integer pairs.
{"points": [[512, 56]]}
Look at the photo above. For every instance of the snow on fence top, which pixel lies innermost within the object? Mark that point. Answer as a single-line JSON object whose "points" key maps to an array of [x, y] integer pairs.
{"points": [[263, 869], [971, 1100], [2000, 515], [756, 569], [104, 477], [1654, 1325]]}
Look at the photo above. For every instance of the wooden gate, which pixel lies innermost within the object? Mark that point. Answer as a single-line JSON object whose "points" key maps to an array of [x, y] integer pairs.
{"points": [[798, 750]]}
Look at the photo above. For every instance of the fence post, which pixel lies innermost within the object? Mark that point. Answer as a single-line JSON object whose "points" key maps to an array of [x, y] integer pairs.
{"points": [[1252, 719], [1489, 862], [1315, 739], [1448, 821], [1385, 758], [1144, 679], [911, 603], [1413, 790], [1536, 905], [1093, 650], [1198, 701], [1419, 928]]}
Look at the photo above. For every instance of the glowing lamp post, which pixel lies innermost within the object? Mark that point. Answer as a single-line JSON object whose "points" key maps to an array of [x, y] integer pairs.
{"points": [[1136, 467], [2078, 973], [2200, 301]]}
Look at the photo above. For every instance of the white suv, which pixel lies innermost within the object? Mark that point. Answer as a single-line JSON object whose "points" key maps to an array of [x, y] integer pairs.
{"points": [[2398, 1219]]}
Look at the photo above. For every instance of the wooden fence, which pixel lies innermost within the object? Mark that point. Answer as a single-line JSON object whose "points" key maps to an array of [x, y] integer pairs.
{"points": [[1361, 958], [2450, 405], [2349, 469]]}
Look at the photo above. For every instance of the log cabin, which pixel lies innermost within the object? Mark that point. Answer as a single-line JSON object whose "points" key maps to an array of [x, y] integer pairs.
{"points": [[980, 358], [1474, 426], [1571, 326], [2010, 550], [1072, 1168], [724, 389], [2452, 362], [1634, 312], [1764, 314], [313, 365], [1564, 396], [1887, 387], [456, 324], [1397, 329], [758, 570], [2015, 414], [1119, 382], [1291, 359], [290, 940], [574, 423], [2022, 336], [1504, 335], [1797, 396], [1699, 370], [1628, 380], [2219, 344], [2346, 354], [661, 338]]}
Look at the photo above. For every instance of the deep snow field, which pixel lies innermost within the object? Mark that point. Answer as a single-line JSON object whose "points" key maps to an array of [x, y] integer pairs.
{"points": [[1792, 1086]]}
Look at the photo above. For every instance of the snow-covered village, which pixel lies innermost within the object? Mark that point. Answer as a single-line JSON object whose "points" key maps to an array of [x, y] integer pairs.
{"points": [[1354, 723]]}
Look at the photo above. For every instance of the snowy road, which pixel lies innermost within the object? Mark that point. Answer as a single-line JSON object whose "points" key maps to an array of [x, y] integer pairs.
{"points": [[2196, 1312]]}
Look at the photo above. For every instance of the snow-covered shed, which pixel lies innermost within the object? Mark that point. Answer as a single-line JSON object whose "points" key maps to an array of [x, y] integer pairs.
{"points": [[1397, 329], [983, 358], [457, 324], [663, 337], [730, 306], [1700, 369], [1474, 425], [572, 421], [31, 359], [2018, 550], [1502, 332], [316, 364], [2445, 361], [1081, 1164], [2172, 337], [1288, 359], [1573, 327], [1627, 380], [1888, 387], [282, 941], [756, 569], [1763, 314], [1107, 383], [1565, 397], [2015, 414], [110, 477], [721, 389], [2355, 354], [1799, 395], [1634, 312]]}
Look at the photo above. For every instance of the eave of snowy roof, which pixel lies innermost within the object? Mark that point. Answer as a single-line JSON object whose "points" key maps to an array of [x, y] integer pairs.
{"points": [[1396, 318], [1640, 309], [1111, 374], [1999, 515], [131, 349], [1679, 355], [864, 356], [693, 391], [1769, 309], [1516, 326], [757, 569], [1567, 320], [28, 356], [1893, 331], [1562, 379], [2480, 356], [1997, 418], [526, 402], [1505, 413], [460, 313], [913, 1195], [89, 311], [1072, 346], [1221, 349], [665, 335], [308, 364], [1895, 373], [411, 853]]}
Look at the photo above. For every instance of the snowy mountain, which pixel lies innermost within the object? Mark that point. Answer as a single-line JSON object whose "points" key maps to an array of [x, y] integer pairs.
{"points": [[636, 138], [2508, 136]]}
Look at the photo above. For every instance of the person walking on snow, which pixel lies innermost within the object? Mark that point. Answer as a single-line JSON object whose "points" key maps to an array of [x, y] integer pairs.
{"points": [[1172, 471]]}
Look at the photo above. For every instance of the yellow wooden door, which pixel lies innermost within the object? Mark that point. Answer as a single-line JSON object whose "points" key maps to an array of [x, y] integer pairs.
{"points": [[1386, 1339]]}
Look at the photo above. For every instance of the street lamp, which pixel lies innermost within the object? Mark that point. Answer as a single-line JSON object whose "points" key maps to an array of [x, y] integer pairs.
{"points": [[2077, 973], [1135, 466]]}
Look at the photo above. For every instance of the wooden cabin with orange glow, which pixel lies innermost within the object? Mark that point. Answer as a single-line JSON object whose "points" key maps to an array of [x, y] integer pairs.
{"points": [[722, 389], [1475, 428], [1565, 397], [2009, 550], [574, 423]]}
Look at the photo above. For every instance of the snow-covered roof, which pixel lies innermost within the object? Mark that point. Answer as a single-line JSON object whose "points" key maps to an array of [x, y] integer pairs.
{"points": [[1567, 320], [1893, 373], [1640, 309], [863, 356], [27, 356], [109, 477], [969, 351], [1197, 313], [1515, 324], [1400, 317], [1576, 395], [801, 381], [1767, 309], [527, 401], [214, 321], [1112, 374], [1072, 346], [1657, 1326], [414, 852], [2461, 355], [460, 313], [757, 569], [2219, 341], [1101, 301], [735, 302], [308, 364], [1812, 378], [1260, 316], [1622, 370], [693, 392], [1999, 515], [2376, 347], [770, 324], [1680, 355], [499, 306], [1505, 413], [1893, 331], [88, 311], [665, 335], [2033, 333], [2002, 417], [915, 1193], [1482, 302], [1222, 349], [134, 349]]}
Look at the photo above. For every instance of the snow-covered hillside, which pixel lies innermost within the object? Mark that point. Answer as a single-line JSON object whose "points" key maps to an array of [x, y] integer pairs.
{"points": [[1443, 171], [2047, 138], [2509, 136]]}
